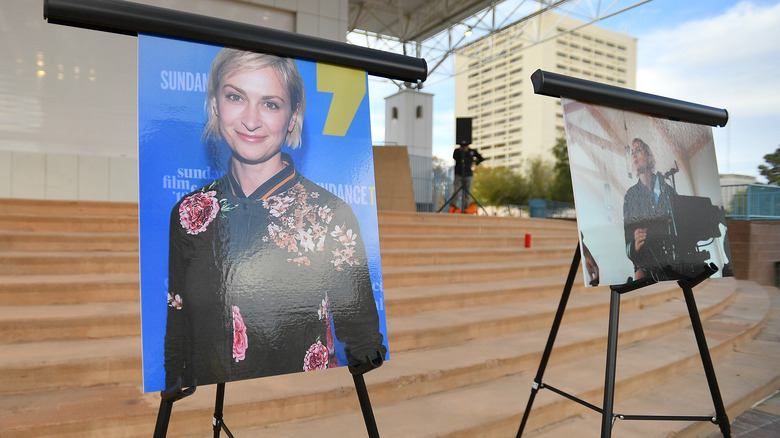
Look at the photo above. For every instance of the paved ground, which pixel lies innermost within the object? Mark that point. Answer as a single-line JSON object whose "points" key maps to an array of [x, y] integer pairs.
{"points": [[762, 421]]}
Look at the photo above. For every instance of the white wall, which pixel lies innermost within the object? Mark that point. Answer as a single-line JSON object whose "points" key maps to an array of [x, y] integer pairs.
{"points": [[68, 103]]}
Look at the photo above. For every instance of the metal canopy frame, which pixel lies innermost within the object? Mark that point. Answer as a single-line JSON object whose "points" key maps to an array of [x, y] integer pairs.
{"points": [[436, 29]]}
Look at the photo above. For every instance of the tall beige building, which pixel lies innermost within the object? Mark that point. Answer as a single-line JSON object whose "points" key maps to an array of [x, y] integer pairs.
{"points": [[510, 123]]}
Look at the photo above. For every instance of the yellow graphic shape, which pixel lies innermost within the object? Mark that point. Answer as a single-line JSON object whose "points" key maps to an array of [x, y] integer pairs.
{"points": [[348, 87]]}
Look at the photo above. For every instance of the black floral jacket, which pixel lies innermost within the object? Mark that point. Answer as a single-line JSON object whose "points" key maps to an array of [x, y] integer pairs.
{"points": [[258, 285]]}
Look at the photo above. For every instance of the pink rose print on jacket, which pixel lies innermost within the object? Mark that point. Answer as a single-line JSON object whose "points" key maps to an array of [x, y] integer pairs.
{"points": [[324, 313], [240, 341], [316, 358], [197, 211]]}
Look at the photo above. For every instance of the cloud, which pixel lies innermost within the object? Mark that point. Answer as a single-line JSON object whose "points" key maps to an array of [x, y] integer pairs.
{"points": [[728, 61]]}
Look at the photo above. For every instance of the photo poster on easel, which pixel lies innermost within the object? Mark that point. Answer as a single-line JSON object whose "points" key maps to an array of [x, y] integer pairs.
{"points": [[647, 195], [254, 262]]}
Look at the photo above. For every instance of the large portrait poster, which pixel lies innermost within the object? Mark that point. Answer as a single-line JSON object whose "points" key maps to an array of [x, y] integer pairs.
{"points": [[258, 224], [647, 194]]}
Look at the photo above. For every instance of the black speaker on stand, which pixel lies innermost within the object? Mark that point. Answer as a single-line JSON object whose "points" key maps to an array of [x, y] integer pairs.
{"points": [[462, 138], [463, 131]]}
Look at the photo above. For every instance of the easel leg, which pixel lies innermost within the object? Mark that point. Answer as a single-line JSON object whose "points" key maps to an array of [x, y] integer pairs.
{"points": [[219, 403], [609, 376], [365, 405], [706, 359], [163, 417], [551, 338]]}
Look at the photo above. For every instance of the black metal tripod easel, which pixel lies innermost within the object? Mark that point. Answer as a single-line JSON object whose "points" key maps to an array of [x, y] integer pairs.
{"points": [[169, 397], [607, 411]]}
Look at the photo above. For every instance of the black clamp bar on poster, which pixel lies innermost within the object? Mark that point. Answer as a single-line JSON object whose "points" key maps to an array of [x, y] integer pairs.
{"points": [[557, 85], [129, 18]]}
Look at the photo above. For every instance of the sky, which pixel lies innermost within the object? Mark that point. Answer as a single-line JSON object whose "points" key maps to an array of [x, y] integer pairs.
{"points": [[719, 53]]}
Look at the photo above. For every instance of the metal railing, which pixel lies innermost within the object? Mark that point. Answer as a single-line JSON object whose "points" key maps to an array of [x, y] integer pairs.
{"points": [[751, 201]]}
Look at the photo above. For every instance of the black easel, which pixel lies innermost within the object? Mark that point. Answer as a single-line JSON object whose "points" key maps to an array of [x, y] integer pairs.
{"points": [[166, 406], [167, 398], [607, 411]]}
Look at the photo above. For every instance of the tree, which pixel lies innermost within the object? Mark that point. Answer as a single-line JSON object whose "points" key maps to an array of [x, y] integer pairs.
{"points": [[499, 186], [771, 170], [561, 189], [540, 178]]}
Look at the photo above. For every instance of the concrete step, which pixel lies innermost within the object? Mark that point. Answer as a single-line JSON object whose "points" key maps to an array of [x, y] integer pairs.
{"points": [[69, 322], [68, 208], [36, 367], [416, 241], [46, 224], [415, 299], [438, 256], [407, 377], [33, 290], [450, 327], [437, 218], [463, 229], [16, 263], [58, 241], [427, 275]]}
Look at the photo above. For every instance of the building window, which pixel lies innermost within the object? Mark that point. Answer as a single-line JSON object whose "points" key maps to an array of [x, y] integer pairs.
{"points": [[395, 113], [419, 111]]}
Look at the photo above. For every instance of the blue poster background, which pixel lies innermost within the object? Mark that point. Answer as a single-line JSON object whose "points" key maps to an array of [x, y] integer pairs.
{"points": [[172, 82]]}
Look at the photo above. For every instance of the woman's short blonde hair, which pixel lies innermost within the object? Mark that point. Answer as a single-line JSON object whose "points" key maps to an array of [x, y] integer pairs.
{"points": [[231, 61]]}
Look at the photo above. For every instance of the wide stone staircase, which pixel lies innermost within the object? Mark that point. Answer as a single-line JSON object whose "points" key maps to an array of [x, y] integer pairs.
{"points": [[469, 309]]}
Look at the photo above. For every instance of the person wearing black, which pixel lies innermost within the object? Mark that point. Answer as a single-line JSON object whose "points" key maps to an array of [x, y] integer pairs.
{"points": [[267, 270], [464, 158], [648, 222]]}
